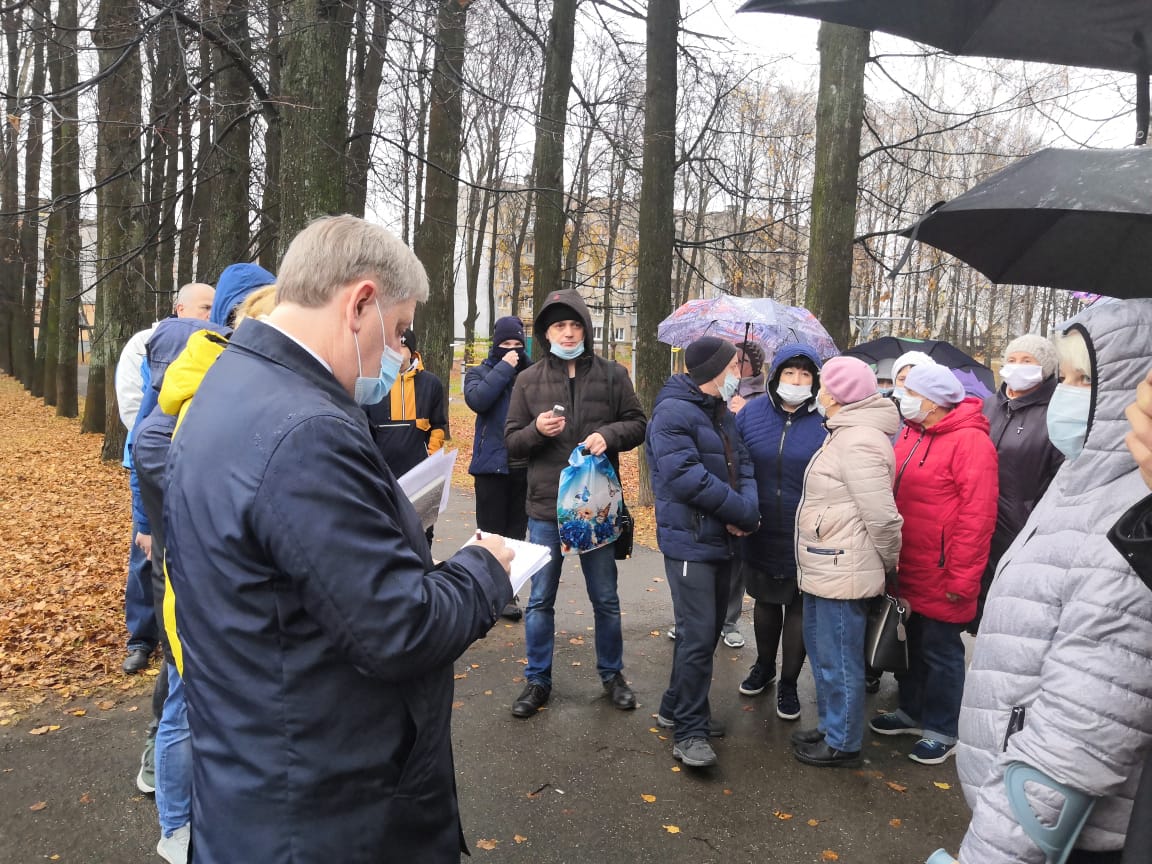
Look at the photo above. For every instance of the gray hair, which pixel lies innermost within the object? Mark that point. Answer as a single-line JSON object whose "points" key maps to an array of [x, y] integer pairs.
{"points": [[334, 251]]}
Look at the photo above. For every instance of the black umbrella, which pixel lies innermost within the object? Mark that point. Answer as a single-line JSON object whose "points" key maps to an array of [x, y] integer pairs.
{"points": [[944, 353], [1103, 34], [1074, 219]]}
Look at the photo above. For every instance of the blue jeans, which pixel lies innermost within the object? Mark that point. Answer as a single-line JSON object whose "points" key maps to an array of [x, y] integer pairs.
{"points": [[834, 638], [931, 689], [174, 758], [599, 568], [700, 592], [139, 614]]}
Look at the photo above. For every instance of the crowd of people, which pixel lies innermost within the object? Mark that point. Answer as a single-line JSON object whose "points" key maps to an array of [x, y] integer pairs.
{"points": [[309, 636]]}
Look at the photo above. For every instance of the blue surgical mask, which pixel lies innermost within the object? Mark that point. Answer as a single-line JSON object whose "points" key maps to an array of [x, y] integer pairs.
{"points": [[369, 391], [728, 387], [912, 408], [1068, 419], [885, 392], [566, 353]]}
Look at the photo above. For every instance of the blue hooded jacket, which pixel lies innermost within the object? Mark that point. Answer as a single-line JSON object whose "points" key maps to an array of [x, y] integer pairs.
{"points": [[488, 392], [695, 499], [781, 444], [235, 283]]}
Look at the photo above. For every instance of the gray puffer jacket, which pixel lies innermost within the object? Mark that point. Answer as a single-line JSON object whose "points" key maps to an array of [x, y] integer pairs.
{"points": [[1067, 630]]}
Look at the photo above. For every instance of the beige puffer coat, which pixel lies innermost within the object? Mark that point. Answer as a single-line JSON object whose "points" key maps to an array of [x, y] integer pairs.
{"points": [[847, 527]]}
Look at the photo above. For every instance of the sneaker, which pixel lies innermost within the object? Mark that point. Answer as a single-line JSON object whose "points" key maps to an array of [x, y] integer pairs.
{"points": [[758, 680], [716, 728], [672, 633], [620, 693], [891, 724], [530, 700], [694, 752], [174, 847], [734, 639], [787, 701], [928, 751], [146, 776]]}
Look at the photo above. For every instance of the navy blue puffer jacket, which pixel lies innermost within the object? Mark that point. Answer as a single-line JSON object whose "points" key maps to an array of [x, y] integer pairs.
{"points": [[488, 391], [695, 498], [781, 445]]}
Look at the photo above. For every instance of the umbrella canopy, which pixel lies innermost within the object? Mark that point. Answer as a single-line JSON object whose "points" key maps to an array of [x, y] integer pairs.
{"points": [[1102, 34], [1074, 219], [944, 353], [762, 319]]}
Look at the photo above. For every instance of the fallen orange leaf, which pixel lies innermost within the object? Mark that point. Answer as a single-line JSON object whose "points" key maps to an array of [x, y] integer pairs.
{"points": [[829, 855], [38, 806], [940, 785], [487, 845], [672, 829], [649, 798], [895, 823], [517, 838], [783, 816], [896, 787], [813, 822]]}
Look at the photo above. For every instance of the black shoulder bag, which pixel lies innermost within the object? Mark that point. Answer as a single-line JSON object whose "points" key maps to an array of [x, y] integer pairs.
{"points": [[886, 639]]}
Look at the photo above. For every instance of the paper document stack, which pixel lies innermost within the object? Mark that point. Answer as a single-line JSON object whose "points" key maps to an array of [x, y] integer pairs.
{"points": [[428, 484], [530, 559]]}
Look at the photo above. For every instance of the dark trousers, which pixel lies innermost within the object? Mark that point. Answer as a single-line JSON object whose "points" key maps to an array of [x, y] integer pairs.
{"points": [[931, 689], [699, 600], [501, 502]]}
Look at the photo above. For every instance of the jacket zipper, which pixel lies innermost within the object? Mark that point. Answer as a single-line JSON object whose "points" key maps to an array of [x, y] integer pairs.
{"points": [[941, 546], [907, 459], [780, 470]]}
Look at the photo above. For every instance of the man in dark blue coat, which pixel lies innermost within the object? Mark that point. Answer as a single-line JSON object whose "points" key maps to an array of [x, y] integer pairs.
{"points": [[705, 498], [316, 634]]}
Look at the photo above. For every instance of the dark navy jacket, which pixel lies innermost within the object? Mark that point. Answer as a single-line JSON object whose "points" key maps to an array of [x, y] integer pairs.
{"points": [[488, 392], [781, 445], [317, 636], [690, 478]]}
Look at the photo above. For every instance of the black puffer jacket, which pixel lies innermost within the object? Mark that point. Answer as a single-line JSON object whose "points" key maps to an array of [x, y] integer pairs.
{"points": [[604, 401]]}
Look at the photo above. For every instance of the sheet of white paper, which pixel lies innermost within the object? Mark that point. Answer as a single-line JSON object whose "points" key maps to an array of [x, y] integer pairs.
{"points": [[530, 560], [432, 476]]}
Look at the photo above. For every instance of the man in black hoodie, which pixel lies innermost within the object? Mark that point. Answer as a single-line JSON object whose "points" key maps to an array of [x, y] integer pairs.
{"points": [[602, 413]]}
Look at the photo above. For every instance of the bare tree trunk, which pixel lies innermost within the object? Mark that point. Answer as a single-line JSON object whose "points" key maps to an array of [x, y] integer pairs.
{"points": [[315, 125], [125, 305], [436, 235], [11, 273], [48, 346], [518, 248], [839, 115], [230, 162], [548, 161], [66, 201], [367, 73], [269, 240], [187, 238], [202, 203], [657, 191], [492, 266], [577, 207], [29, 230]]}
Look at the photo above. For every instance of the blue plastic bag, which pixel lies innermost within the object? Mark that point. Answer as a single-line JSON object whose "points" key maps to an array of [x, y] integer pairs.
{"points": [[588, 503]]}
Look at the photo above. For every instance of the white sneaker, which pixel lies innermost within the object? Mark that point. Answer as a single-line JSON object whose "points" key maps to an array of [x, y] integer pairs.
{"points": [[174, 847], [672, 633], [734, 639]]}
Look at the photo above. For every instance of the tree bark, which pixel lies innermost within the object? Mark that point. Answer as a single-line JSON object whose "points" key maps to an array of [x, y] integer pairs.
{"points": [[30, 228], [839, 115], [548, 160], [269, 240], [314, 124], [657, 190], [11, 273], [125, 303], [436, 235], [368, 73], [66, 207]]}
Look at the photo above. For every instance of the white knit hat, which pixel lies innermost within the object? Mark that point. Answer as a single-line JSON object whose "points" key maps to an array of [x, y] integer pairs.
{"points": [[1039, 347], [911, 358]]}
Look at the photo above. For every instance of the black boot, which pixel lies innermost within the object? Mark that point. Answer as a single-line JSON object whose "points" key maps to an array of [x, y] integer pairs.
{"points": [[530, 700]]}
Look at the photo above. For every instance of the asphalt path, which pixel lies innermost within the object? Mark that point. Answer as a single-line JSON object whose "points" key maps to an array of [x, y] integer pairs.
{"points": [[580, 782]]}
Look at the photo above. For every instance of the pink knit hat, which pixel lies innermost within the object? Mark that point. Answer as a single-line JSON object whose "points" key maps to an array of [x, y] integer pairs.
{"points": [[848, 379]]}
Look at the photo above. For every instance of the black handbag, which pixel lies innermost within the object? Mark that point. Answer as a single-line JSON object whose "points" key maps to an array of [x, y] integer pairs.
{"points": [[886, 639], [623, 544]]}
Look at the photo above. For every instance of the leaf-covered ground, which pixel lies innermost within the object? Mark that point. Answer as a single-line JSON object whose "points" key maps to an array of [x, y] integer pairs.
{"points": [[65, 520]]}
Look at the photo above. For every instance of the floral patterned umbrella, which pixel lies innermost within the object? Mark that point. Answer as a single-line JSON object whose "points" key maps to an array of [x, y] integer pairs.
{"points": [[761, 319]]}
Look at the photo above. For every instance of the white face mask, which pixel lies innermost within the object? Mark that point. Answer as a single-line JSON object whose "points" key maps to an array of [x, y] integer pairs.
{"points": [[912, 408], [794, 394], [1021, 376]]}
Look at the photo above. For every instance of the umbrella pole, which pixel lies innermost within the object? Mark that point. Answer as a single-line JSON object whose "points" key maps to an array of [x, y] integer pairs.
{"points": [[1142, 87]]}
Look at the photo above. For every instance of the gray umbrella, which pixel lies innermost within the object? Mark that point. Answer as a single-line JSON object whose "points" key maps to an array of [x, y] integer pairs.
{"points": [[1074, 219], [1103, 34]]}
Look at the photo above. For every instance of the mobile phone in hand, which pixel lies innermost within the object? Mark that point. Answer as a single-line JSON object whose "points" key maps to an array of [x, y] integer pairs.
{"points": [[557, 410]]}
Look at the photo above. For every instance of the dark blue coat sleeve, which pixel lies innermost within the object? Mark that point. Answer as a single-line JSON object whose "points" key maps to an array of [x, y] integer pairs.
{"points": [[343, 547], [484, 385]]}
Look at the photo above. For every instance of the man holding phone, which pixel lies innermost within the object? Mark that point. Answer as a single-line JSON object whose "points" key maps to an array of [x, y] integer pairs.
{"points": [[570, 398]]}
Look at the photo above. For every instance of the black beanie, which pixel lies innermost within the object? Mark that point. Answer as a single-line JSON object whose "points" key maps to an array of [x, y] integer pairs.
{"points": [[508, 327], [408, 340], [707, 357], [556, 312]]}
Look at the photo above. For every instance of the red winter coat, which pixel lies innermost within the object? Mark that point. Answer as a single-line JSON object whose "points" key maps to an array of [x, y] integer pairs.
{"points": [[946, 490]]}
